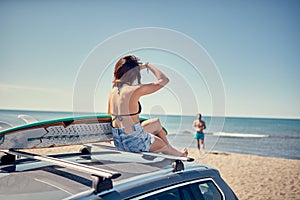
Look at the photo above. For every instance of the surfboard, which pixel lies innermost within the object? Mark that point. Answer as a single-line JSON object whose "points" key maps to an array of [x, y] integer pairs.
{"points": [[58, 132]]}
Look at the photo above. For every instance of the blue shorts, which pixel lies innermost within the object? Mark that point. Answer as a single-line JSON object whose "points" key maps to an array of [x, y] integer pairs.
{"points": [[137, 141], [199, 135]]}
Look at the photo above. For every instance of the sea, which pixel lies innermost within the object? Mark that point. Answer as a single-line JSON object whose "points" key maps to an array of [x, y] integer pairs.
{"points": [[278, 138]]}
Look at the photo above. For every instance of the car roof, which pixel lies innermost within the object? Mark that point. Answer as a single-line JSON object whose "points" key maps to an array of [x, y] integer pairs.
{"points": [[39, 179]]}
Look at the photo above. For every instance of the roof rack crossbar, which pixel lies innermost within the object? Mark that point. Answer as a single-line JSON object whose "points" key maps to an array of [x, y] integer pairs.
{"points": [[168, 156], [148, 154], [67, 164]]}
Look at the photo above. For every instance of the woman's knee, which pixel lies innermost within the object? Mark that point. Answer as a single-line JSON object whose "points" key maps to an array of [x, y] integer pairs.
{"points": [[153, 121], [152, 125]]}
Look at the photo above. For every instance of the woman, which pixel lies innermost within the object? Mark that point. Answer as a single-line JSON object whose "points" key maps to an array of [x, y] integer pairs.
{"points": [[124, 106]]}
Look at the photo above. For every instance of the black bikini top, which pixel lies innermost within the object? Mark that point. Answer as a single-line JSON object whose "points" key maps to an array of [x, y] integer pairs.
{"points": [[120, 117]]}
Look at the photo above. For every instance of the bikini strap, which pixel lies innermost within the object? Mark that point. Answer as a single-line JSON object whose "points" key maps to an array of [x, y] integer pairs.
{"points": [[119, 117]]}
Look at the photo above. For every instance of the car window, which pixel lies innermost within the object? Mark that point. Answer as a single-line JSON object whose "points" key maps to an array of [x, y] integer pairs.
{"points": [[188, 194], [209, 191], [172, 194], [195, 190]]}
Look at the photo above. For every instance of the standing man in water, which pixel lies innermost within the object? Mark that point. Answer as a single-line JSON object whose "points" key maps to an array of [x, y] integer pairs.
{"points": [[199, 126]]}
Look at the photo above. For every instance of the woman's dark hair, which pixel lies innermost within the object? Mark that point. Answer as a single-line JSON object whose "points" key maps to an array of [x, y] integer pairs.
{"points": [[128, 69]]}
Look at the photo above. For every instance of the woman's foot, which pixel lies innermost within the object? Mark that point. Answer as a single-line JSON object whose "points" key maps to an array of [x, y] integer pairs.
{"points": [[185, 152]]}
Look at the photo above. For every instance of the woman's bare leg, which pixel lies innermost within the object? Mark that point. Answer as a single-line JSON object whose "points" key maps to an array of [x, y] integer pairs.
{"points": [[160, 146], [154, 127]]}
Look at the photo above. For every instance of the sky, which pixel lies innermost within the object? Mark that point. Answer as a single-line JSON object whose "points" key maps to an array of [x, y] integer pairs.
{"points": [[228, 58]]}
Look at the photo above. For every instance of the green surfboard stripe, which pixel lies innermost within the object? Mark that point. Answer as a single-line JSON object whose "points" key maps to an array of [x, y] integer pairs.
{"points": [[52, 121]]}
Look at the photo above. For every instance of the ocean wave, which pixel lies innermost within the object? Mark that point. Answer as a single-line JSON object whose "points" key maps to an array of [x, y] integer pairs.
{"points": [[228, 134], [239, 135]]}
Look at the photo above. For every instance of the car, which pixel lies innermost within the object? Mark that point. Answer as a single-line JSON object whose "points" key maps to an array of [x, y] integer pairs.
{"points": [[106, 173]]}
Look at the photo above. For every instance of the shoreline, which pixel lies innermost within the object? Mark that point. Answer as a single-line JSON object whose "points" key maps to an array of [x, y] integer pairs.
{"points": [[238, 153], [255, 177]]}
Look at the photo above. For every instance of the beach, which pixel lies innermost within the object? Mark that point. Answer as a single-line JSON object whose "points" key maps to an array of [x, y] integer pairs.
{"points": [[250, 176], [255, 177]]}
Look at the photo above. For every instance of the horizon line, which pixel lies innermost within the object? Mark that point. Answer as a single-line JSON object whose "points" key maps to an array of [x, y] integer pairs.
{"points": [[186, 115]]}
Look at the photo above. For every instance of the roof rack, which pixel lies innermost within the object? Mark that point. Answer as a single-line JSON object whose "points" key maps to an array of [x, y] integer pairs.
{"points": [[150, 155], [177, 165], [101, 177]]}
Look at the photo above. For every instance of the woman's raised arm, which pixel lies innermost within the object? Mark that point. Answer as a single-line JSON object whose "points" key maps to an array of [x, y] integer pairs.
{"points": [[149, 88]]}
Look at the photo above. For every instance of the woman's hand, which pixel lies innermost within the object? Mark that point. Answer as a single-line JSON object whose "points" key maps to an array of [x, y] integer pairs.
{"points": [[149, 88], [144, 66]]}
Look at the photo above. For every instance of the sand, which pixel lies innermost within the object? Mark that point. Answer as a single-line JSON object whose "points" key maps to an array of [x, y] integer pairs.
{"points": [[250, 177], [256, 177]]}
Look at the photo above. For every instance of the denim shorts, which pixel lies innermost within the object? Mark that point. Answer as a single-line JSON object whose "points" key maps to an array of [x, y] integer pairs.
{"points": [[136, 141]]}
